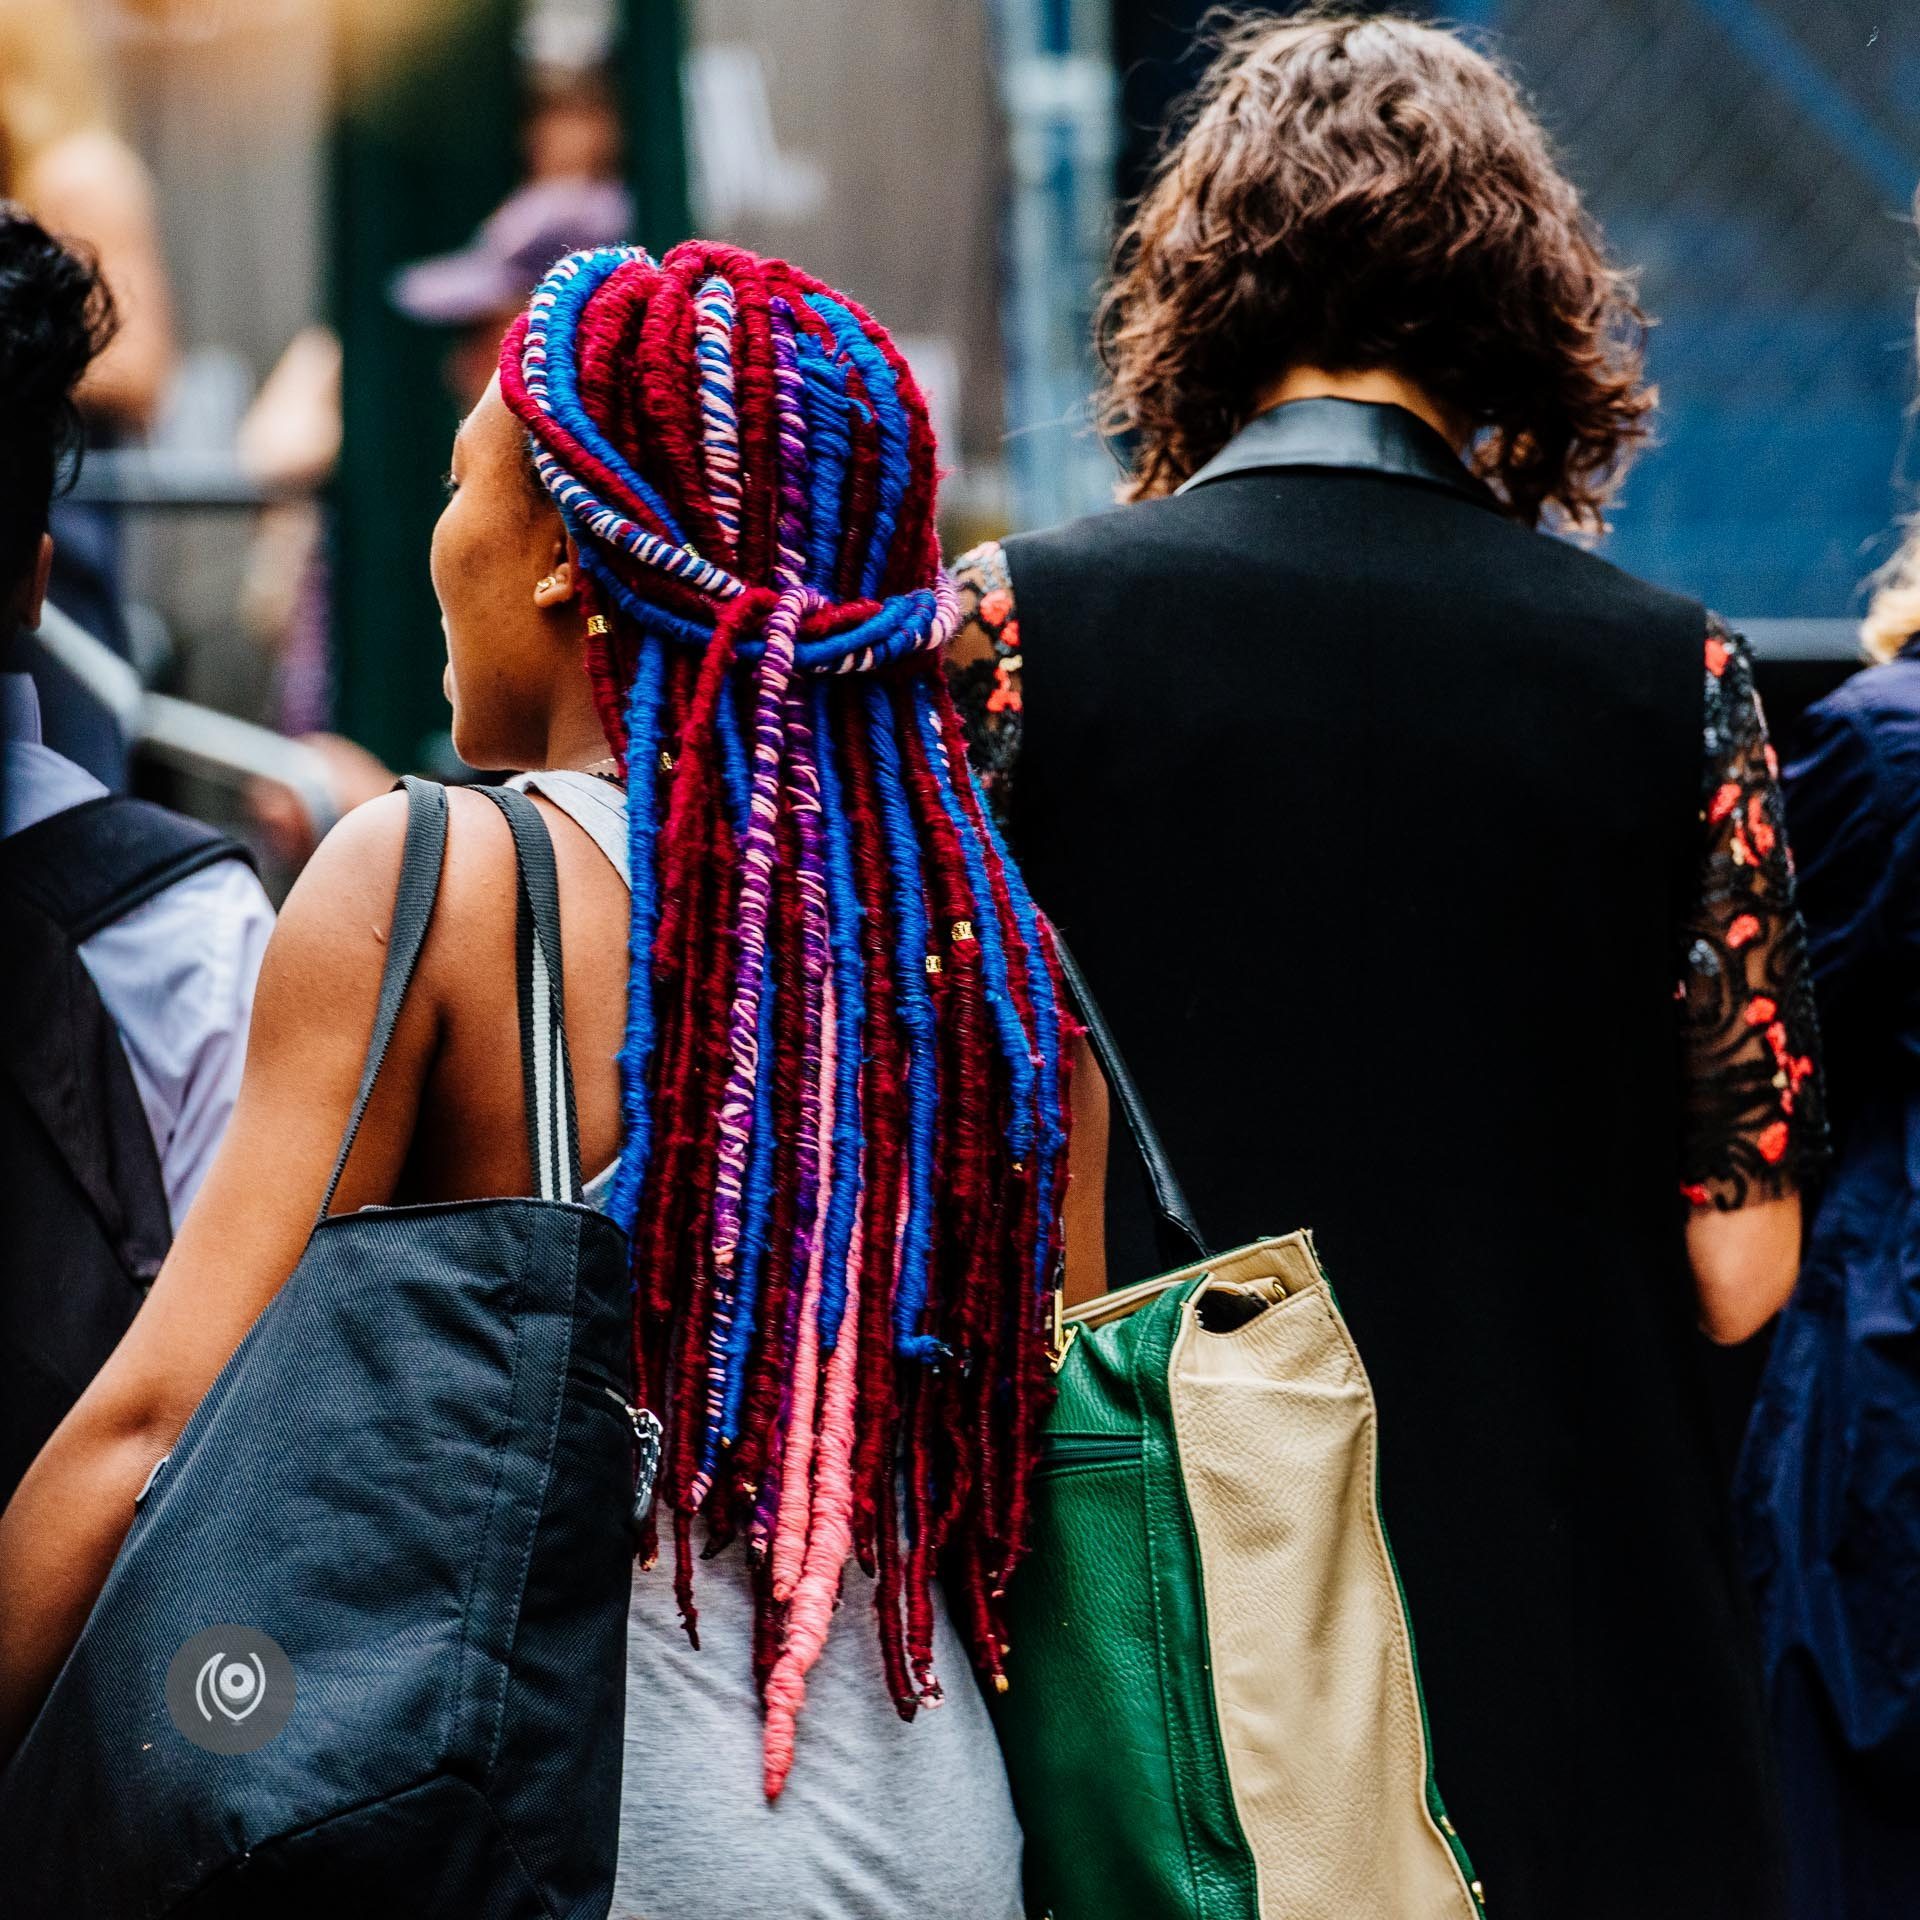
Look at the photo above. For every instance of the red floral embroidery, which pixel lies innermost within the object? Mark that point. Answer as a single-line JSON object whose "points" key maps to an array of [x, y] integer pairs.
{"points": [[986, 678], [1005, 697], [1756, 1121]]}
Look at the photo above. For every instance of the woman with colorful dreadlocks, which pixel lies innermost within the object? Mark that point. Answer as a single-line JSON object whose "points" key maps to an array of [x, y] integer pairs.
{"points": [[690, 582]]}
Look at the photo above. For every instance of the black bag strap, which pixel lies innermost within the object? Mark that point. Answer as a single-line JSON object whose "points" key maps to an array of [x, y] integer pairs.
{"points": [[553, 1134], [87, 866], [420, 861], [553, 1127], [1175, 1231]]}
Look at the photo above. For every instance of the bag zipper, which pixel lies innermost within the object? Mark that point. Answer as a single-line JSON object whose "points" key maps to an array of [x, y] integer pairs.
{"points": [[1436, 1807], [1060, 1450]]}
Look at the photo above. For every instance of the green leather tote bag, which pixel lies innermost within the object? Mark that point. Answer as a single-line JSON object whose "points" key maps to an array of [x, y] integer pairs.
{"points": [[1213, 1710]]}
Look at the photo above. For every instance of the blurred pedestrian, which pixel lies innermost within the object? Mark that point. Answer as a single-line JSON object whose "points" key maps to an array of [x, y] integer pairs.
{"points": [[1433, 877], [61, 159], [133, 936], [1829, 1498], [291, 436], [476, 292]]}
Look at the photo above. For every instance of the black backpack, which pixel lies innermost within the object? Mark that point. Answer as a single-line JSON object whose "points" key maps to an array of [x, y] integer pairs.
{"points": [[84, 1223]]}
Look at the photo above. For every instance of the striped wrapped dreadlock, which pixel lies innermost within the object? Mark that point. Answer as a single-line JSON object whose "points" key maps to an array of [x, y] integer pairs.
{"points": [[844, 1074]]}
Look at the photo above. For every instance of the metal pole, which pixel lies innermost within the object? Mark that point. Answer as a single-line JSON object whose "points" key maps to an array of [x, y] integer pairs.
{"points": [[648, 66], [426, 146], [1058, 86]]}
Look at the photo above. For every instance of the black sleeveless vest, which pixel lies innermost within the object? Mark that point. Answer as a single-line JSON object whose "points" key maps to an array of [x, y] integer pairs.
{"points": [[1372, 817]]}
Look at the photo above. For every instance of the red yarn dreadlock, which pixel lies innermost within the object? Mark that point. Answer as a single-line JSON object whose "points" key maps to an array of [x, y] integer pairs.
{"points": [[844, 1076]]}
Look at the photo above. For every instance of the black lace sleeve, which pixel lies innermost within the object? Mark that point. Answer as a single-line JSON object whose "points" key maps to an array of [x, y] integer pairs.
{"points": [[1755, 1108], [983, 669]]}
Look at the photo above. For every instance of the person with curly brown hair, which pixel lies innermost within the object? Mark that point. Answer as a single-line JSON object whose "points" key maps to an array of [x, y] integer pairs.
{"points": [[1433, 875]]}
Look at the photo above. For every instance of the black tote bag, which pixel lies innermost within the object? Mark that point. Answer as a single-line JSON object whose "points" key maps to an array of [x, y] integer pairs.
{"points": [[397, 1530]]}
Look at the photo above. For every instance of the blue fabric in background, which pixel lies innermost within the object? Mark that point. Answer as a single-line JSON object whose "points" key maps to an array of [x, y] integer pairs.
{"points": [[1775, 469], [1829, 1489]]}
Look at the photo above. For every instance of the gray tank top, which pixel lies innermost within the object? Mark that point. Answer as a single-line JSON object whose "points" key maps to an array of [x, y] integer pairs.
{"points": [[882, 1819]]}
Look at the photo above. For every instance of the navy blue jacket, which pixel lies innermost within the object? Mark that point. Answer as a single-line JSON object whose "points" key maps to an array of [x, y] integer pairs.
{"points": [[1830, 1485]]}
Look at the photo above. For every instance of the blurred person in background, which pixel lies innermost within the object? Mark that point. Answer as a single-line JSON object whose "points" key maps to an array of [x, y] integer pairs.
{"points": [[62, 160], [133, 936], [476, 293], [1829, 1497], [1433, 876], [291, 436], [572, 129]]}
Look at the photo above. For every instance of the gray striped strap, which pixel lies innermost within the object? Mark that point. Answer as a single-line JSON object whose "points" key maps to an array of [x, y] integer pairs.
{"points": [[553, 1132]]}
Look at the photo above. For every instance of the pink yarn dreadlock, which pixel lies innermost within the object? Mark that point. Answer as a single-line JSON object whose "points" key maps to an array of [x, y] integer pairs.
{"points": [[844, 1075]]}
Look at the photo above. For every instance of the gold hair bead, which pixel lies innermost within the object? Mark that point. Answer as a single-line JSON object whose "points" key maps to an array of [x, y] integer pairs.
{"points": [[935, 964], [597, 624], [963, 930], [666, 761]]}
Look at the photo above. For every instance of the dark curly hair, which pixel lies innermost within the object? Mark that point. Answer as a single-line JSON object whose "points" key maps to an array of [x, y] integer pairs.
{"points": [[55, 317], [1357, 193]]}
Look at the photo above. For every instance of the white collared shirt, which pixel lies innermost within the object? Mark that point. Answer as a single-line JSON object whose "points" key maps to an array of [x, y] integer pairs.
{"points": [[176, 975]]}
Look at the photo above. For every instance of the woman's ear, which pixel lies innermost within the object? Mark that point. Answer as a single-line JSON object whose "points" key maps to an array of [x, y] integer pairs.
{"points": [[554, 588]]}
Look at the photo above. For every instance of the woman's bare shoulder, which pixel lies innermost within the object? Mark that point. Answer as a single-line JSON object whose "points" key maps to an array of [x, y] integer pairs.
{"points": [[346, 892]]}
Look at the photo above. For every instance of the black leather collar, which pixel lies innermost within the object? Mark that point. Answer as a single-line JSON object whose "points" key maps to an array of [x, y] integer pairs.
{"points": [[1358, 435]]}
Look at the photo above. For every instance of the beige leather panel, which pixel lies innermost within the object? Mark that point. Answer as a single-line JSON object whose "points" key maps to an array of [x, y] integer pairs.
{"points": [[1312, 1670]]}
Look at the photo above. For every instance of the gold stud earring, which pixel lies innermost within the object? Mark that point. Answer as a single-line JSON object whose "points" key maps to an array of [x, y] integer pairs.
{"points": [[551, 581]]}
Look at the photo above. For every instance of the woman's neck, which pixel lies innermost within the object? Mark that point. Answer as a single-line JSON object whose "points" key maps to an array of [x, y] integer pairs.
{"points": [[1380, 385], [575, 737]]}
